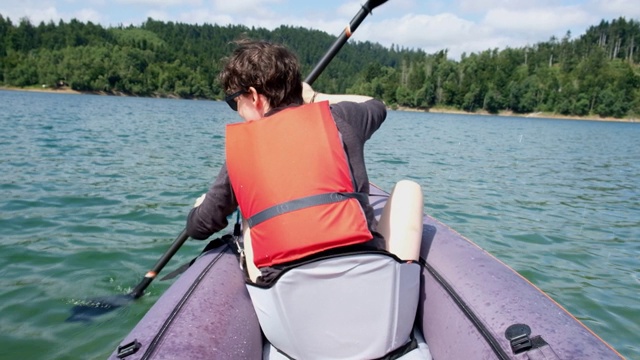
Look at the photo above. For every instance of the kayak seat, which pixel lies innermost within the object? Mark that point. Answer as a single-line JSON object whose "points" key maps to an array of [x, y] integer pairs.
{"points": [[355, 306]]}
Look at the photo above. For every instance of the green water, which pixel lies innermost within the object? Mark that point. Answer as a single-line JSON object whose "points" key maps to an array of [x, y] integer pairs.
{"points": [[94, 189]]}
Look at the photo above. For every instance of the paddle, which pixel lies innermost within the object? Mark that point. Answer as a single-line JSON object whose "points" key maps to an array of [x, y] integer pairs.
{"points": [[98, 306], [342, 39]]}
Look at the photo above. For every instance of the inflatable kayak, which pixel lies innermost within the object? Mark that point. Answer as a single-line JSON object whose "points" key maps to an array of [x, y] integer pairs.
{"points": [[471, 306]]}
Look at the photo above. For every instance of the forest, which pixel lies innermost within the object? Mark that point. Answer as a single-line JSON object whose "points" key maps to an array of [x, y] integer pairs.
{"points": [[595, 74]]}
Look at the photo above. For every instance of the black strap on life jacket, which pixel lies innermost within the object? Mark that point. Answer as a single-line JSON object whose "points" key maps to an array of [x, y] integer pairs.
{"points": [[304, 202]]}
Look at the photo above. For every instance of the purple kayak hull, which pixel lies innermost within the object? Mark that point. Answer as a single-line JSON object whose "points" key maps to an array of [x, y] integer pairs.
{"points": [[468, 301]]}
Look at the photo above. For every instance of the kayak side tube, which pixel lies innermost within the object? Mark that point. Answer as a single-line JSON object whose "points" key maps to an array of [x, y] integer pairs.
{"points": [[473, 306], [205, 314]]}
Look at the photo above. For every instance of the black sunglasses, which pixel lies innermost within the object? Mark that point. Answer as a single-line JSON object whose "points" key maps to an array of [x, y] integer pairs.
{"points": [[231, 99]]}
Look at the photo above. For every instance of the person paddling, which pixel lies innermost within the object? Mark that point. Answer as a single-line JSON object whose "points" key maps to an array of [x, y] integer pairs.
{"points": [[263, 79], [295, 168]]}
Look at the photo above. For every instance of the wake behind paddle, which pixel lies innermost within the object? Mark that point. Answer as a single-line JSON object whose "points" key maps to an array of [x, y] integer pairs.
{"points": [[91, 308]]}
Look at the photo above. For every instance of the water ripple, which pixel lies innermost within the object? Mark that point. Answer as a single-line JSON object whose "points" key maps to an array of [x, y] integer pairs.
{"points": [[94, 189]]}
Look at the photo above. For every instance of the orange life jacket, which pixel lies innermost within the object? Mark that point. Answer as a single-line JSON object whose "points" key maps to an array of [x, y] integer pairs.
{"points": [[290, 174]]}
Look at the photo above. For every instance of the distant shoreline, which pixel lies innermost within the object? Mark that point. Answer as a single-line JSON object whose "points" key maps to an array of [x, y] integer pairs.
{"points": [[436, 110], [68, 90], [64, 90], [538, 115]]}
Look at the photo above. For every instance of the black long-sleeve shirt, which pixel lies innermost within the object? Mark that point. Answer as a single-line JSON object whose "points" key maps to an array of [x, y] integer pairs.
{"points": [[356, 122]]}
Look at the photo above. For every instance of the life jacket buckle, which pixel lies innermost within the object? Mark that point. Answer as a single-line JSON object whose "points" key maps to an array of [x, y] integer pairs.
{"points": [[239, 245]]}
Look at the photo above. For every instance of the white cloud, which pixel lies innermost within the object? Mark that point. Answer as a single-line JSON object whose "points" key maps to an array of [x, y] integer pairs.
{"points": [[482, 6], [38, 11], [349, 9], [457, 25], [161, 15], [160, 3], [34, 14], [502, 23], [85, 15], [202, 16], [538, 22], [430, 33], [629, 9], [403, 5], [257, 8]]}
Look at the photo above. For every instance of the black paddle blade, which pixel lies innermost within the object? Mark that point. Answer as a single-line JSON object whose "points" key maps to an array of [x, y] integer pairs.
{"points": [[92, 308], [375, 3]]}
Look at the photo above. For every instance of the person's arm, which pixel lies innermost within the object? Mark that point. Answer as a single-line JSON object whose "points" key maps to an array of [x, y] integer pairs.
{"points": [[210, 212], [310, 96]]}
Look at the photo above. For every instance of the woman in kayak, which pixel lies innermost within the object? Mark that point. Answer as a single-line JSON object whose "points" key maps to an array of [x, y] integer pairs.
{"points": [[263, 80], [295, 168]]}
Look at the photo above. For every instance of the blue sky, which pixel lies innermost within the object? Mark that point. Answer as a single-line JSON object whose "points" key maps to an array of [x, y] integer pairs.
{"points": [[457, 25]]}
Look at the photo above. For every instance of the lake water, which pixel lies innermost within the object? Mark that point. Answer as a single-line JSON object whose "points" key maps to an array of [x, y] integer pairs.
{"points": [[95, 188]]}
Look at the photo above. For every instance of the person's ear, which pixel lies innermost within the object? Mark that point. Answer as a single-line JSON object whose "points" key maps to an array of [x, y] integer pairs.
{"points": [[255, 97], [259, 101]]}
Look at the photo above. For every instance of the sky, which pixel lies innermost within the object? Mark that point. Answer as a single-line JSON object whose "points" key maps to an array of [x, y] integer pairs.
{"points": [[458, 26]]}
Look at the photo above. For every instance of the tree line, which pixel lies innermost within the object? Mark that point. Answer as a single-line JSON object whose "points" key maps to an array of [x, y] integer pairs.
{"points": [[594, 74]]}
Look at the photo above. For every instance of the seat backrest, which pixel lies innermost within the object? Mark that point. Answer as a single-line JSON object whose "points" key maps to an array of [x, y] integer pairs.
{"points": [[352, 306]]}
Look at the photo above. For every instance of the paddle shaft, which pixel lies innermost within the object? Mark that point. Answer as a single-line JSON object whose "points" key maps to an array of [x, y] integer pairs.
{"points": [[138, 291], [346, 34]]}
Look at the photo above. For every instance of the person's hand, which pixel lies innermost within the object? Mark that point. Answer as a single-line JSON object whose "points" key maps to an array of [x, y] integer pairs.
{"points": [[308, 94], [200, 200]]}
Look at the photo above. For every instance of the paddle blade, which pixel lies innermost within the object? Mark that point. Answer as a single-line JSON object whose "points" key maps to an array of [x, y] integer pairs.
{"points": [[375, 3], [92, 308]]}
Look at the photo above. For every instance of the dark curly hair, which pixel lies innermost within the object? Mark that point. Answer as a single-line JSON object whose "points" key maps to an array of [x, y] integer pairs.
{"points": [[272, 69]]}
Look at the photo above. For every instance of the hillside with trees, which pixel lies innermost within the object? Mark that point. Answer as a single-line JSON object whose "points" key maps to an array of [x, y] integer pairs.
{"points": [[596, 73]]}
